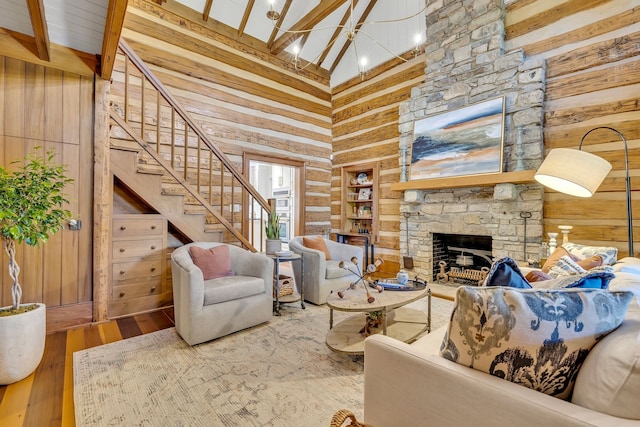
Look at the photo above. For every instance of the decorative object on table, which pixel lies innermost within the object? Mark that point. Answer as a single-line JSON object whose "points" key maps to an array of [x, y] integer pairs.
{"points": [[32, 208], [565, 229], [579, 173], [553, 242], [283, 253], [466, 141], [272, 231], [402, 277], [373, 320], [371, 268], [393, 285]]}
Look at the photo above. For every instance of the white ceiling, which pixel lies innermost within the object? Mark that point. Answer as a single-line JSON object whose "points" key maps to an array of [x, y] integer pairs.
{"points": [[71, 23], [80, 24], [377, 41]]}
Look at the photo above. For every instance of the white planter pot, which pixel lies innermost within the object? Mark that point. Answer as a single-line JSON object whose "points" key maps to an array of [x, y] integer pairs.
{"points": [[273, 246], [22, 337]]}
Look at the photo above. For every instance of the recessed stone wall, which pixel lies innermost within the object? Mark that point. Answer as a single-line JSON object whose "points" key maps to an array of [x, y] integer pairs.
{"points": [[465, 64]]}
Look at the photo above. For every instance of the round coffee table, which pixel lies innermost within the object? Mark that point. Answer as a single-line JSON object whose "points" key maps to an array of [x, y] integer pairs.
{"points": [[402, 323]]}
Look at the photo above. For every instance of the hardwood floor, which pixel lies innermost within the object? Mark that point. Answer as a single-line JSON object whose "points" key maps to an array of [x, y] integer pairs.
{"points": [[45, 398]]}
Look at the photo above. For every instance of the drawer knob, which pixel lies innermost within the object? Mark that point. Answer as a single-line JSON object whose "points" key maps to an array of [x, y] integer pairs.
{"points": [[121, 294], [153, 247], [153, 227], [153, 289], [121, 271], [121, 249], [153, 268], [122, 227]]}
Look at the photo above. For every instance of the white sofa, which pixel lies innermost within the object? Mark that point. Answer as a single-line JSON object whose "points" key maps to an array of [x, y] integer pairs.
{"points": [[411, 385]]}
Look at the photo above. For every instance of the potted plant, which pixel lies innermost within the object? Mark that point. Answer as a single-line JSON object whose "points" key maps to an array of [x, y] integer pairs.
{"points": [[272, 230], [32, 208]]}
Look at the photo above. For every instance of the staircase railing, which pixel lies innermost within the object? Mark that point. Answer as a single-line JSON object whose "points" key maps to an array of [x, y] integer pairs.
{"points": [[152, 117]]}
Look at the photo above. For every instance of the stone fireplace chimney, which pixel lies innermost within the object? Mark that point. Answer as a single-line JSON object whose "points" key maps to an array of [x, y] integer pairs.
{"points": [[465, 64]]}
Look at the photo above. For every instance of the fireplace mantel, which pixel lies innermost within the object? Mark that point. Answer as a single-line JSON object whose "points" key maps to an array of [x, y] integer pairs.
{"points": [[484, 180]]}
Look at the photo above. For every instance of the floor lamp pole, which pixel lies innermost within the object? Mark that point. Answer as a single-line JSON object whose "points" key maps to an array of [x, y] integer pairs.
{"points": [[627, 181]]}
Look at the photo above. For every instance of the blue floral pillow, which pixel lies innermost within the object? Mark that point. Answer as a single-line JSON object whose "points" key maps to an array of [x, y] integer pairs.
{"points": [[535, 338]]}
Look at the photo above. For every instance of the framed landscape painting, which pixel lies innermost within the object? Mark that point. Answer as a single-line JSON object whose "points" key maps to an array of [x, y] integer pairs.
{"points": [[466, 141]]}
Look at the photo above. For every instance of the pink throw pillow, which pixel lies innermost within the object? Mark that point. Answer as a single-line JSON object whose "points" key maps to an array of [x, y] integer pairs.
{"points": [[214, 262]]}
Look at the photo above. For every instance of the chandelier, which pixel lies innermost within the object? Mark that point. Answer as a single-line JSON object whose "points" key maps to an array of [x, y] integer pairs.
{"points": [[348, 27]]}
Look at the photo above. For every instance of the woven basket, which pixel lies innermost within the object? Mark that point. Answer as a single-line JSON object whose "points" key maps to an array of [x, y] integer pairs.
{"points": [[285, 286], [342, 415]]}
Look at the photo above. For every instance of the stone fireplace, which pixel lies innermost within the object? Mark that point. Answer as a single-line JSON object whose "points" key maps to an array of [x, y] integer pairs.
{"points": [[466, 63]]}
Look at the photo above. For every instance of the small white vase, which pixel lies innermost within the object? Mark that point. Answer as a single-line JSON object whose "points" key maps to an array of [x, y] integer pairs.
{"points": [[272, 246], [22, 337]]}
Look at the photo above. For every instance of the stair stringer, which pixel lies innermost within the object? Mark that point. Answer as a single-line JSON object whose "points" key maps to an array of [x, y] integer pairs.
{"points": [[148, 187]]}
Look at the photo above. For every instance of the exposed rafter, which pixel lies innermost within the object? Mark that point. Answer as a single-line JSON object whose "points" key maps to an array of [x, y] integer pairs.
{"points": [[207, 10], [39, 24], [310, 20], [346, 45], [274, 32], [112, 29], [336, 33], [245, 17]]}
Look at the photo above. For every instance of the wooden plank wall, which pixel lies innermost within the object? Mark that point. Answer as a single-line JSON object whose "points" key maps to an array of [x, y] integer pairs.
{"points": [[246, 100], [365, 128], [592, 51], [50, 108]]}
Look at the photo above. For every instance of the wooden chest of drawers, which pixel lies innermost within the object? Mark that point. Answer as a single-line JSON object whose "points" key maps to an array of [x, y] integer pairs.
{"points": [[138, 265]]}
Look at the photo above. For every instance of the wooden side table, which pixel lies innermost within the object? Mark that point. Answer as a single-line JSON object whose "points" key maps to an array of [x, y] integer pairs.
{"points": [[276, 284]]}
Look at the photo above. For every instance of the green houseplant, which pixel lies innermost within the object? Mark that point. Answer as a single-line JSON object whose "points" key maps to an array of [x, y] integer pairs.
{"points": [[272, 230], [32, 208]]}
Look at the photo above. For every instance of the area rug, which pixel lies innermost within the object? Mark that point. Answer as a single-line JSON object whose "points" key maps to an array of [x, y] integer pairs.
{"points": [[277, 374]]}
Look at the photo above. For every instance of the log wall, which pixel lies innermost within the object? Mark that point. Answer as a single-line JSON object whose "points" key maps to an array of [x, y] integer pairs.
{"points": [[592, 52], [247, 101], [52, 109], [365, 129]]}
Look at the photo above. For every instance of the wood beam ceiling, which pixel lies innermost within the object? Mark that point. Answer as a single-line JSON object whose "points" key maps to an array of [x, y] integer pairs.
{"points": [[39, 25], [310, 20], [112, 29]]}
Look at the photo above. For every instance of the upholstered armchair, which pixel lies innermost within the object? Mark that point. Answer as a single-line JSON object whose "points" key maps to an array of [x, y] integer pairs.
{"points": [[322, 275], [208, 309]]}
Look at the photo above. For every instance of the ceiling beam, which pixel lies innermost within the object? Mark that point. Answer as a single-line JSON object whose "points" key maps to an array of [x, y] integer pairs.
{"points": [[310, 20], [112, 29], [245, 17], [39, 24], [346, 45], [207, 10], [335, 34], [275, 30]]}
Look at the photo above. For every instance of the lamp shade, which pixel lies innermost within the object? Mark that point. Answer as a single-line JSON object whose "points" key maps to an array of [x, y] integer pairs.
{"points": [[573, 172]]}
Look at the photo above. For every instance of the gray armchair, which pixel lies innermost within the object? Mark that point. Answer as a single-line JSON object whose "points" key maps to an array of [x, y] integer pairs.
{"points": [[321, 276], [205, 310]]}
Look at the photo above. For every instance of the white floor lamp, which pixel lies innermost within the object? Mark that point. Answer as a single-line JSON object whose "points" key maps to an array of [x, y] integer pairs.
{"points": [[578, 173]]}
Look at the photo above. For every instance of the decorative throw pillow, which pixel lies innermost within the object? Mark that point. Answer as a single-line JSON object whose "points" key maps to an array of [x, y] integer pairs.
{"points": [[596, 278], [609, 254], [534, 338], [316, 243], [505, 272], [554, 257], [214, 262], [537, 276], [565, 266], [592, 262]]}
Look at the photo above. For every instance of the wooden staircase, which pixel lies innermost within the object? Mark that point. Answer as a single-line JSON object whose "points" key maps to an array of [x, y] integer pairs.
{"points": [[160, 153]]}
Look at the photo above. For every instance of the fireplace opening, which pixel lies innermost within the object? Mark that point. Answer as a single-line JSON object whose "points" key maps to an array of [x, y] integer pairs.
{"points": [[461, 258]]}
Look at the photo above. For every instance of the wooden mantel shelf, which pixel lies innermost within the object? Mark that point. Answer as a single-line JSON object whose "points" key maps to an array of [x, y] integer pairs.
{"points": [[484, 180]]}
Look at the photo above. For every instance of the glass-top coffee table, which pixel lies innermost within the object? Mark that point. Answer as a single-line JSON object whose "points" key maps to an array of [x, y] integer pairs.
{"points": [[399, 322]]}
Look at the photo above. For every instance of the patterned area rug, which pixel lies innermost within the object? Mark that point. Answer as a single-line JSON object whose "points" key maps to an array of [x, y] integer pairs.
{"points": [[277, 374]]}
